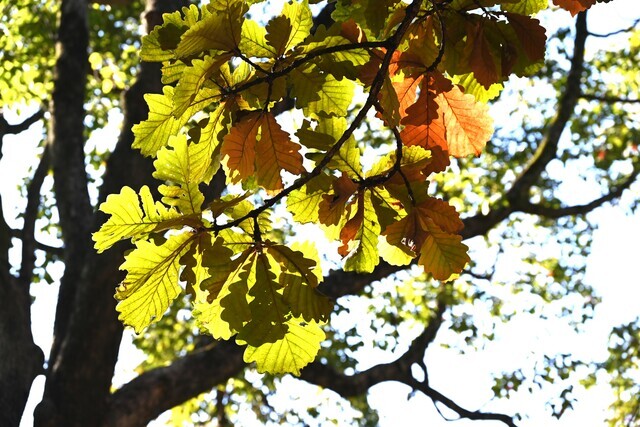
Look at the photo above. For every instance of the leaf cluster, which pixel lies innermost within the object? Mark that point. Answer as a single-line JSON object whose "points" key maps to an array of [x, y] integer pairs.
{"points": [[427, 70]]}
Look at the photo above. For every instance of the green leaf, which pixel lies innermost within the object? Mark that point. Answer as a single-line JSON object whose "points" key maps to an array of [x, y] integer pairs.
{"points": [[130, 220], [210, 139], [185, 165], [269, 311], [305, 301], [321, 95], [526, 7], [160, 44], [442, 254], [153, 134], [253, 42], [304, 203], [224, 293], [472, 87], [389, 103], [291, 353], [363, 252], [219, 30], [151, 283], [347, 159], [290, 28], [326, 133], [294, 266], [193, 87]]}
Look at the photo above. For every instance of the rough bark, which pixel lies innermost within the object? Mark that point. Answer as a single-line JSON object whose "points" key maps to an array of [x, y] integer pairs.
{"points": [[85, 351], [20, 359]]}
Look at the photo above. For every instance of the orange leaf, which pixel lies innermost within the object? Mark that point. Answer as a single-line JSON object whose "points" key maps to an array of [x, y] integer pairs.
{"points": [[406, 90], [425, 109], [424, 123], [574, 6], [426, 136], [238, 148], [442, 254], [439, 161], [332, 207], [276, 152], [467, 123], [351, 228], [407, 234], [442, 213]]}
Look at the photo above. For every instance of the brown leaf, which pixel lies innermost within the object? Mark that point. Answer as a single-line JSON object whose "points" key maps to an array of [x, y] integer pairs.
{"points": [[531, 35], [333, 206], [350, 229], [481, 58]]}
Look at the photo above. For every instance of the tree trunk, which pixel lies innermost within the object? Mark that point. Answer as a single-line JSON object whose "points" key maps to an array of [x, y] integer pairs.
{"points": [[88, 333], [20, 359]]}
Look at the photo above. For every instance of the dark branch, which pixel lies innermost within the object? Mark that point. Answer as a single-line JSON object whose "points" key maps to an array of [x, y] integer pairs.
{"points": [[398, 370], [9, 129], [29, 243], [607, 99], [66, 147], [155, 391], [621, 31], [549, 212], [438, 397], [518, 194]]}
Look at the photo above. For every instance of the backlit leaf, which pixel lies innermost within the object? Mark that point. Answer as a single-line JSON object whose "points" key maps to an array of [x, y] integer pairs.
{"points": [[131, 220], [151, 283], [185, 167], [442, 254], [276, 152], [153, 134]]}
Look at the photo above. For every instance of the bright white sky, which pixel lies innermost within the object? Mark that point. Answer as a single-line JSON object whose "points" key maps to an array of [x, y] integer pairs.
{"points": [[465, 378]]}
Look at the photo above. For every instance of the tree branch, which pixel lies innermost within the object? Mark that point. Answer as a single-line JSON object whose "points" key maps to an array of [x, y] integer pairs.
{"points": [[438, 397], [78, 386], [518, 194], [155, 391], [29, 243], [9, 129], [66, 146], [621, 31], [608, 99], [549, 212]]}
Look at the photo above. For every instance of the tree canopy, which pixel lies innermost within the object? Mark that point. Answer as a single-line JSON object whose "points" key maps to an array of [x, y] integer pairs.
{"points": [[280, 168]]}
